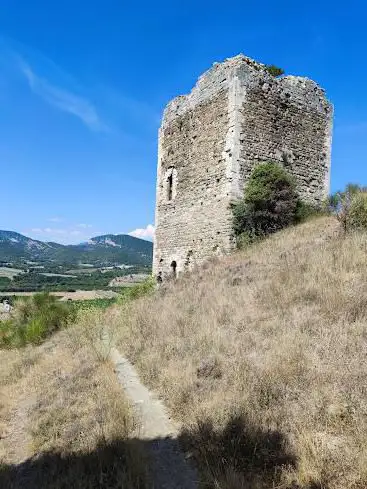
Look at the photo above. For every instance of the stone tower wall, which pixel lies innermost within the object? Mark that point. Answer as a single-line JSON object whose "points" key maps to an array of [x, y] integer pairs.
{"points": [[288, 120], [195, 220], [235, 117]]}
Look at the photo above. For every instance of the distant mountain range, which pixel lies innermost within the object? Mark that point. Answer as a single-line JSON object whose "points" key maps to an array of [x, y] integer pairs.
{"points": [[109, 249]]}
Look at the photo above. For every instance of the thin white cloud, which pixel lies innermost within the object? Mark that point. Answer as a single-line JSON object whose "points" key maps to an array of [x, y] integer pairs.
{"points": [[62, 99], [144, 233], [84, 226], [102, 108], [56, 219]]}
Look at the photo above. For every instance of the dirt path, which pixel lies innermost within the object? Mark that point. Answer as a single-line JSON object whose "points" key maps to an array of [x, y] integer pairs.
{"points": [[170, 470]]}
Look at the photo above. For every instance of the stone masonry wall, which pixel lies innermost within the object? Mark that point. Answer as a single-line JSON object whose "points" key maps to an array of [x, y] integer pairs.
{"points": [[288, 120], [196, 221], [236, 116]]}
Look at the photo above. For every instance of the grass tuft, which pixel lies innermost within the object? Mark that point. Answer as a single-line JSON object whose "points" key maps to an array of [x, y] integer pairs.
{"points": [[33, 320]]}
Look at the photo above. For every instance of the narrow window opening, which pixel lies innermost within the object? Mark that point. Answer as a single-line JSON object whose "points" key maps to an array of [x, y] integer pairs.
{"points": [[169, 186], [170, 183], [174, 267]]}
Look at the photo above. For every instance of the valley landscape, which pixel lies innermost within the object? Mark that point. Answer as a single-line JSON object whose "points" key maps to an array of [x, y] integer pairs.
{"points": [[259, 358], [28, 265]]}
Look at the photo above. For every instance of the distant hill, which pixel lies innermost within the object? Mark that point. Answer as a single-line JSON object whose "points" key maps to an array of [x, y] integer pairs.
{"points": [[109, 249]]}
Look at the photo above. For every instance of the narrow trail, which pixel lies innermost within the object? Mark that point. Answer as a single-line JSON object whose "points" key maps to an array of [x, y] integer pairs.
{"points": [[170, 469]]}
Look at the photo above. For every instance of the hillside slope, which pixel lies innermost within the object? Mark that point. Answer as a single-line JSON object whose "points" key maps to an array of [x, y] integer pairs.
{"points": [[101, 250], [262, 358], [14, 246], [64, 421]]}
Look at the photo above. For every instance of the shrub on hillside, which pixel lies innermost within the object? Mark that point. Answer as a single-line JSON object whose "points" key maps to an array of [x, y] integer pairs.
{"points": [[33, 319], [358, 211], [270, 203], [307, 211], [350, 207]]}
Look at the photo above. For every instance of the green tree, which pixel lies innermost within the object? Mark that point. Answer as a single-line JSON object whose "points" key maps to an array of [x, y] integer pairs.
{"points": [[350, 207], [270, 202], [358, 211]]}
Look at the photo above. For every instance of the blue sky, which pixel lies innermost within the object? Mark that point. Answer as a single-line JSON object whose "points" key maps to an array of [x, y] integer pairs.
{"points": [[83, 85]]}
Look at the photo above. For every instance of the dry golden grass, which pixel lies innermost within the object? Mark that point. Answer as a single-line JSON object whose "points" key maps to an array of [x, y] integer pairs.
{"points": [[262, 358], [65, 421]]}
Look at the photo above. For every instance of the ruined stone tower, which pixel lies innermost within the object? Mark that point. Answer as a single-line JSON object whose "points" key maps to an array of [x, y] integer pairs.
{"points": [[236, 116]]}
